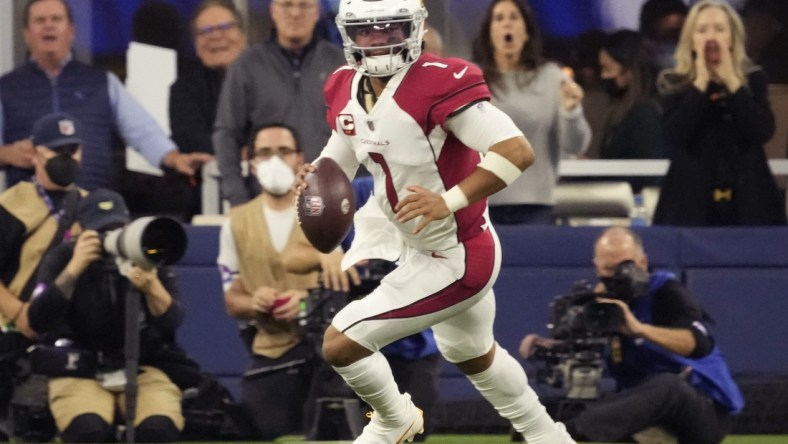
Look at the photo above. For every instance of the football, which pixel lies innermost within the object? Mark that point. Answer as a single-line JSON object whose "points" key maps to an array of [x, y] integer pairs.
{"points": [[326, 206]]}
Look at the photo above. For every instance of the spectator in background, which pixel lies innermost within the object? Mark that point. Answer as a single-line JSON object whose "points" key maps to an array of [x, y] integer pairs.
{"points": [[219, 39], [53, 80], [80, 297], [34, 216], [544, 103], [660, 24], [584, 60], [280, 80], [633, 129], [263, 295], [716, 120], [766, 25]]}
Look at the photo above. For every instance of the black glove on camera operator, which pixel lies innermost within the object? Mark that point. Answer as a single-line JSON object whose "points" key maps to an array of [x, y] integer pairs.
{"points": [[668, 371], [79, 306]]}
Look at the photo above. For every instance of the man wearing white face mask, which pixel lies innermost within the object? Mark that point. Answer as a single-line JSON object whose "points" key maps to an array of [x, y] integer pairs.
{"points": [[265, 298]]}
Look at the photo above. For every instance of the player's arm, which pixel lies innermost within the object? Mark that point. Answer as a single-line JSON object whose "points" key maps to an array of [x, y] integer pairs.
{"points": [[507, 153]]}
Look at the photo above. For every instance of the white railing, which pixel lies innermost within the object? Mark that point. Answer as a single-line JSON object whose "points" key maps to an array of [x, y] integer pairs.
{"points": [[655, 167], [212, 202]]}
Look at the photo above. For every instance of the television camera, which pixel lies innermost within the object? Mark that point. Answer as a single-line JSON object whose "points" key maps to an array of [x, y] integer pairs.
{"points": [[582, 328]]}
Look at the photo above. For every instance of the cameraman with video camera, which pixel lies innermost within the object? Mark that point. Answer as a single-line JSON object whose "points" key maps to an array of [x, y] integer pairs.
{"points": [[79, 309], [668, 371]]}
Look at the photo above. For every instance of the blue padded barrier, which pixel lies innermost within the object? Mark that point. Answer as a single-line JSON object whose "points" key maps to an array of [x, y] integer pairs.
{"points": [[203, 246], [546, 246], [734, 247], [750, 307], [739, 274], [208, 333]]}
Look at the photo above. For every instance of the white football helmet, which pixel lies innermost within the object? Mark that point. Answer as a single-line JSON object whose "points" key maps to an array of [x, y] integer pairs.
{"points": [[358, 18]]}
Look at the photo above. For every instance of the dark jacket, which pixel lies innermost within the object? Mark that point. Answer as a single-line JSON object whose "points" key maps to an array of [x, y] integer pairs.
{"points": [[717, 142], [267, 84], [193, 99], [94, 316]]}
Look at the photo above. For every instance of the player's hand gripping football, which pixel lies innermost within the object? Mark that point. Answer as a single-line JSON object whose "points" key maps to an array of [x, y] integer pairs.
{"points": [[300, 182], [422, 202]]}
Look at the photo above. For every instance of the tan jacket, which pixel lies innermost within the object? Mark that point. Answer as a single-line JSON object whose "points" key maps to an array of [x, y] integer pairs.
{"points": [[260, 265]]}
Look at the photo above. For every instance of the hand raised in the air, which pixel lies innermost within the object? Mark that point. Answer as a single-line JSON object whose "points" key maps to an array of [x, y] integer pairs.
{"points": [[422, 202]]}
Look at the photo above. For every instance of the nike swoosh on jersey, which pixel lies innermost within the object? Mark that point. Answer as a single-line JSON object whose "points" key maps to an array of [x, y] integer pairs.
{"points": [[458, 75]]}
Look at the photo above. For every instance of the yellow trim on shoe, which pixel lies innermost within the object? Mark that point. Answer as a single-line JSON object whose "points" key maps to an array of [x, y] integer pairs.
{"points": [[421, 414]]}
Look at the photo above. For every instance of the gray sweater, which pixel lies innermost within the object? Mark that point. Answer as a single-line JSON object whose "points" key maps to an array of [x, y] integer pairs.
{"points": [[553, 132], [262, 87]]}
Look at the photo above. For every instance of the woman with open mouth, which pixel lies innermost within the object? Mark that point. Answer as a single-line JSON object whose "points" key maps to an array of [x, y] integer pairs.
{"points": [[543, 101]]}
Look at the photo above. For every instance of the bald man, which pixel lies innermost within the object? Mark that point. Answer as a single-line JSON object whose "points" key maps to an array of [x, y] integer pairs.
{"points": [[668, 371]]}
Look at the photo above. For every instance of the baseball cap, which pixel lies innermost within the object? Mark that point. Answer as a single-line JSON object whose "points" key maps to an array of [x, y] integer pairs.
{"points": [[101, 209], [57, 130]]}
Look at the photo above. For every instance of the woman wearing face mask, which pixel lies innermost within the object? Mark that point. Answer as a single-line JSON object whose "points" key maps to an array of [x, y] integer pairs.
{"points": [[633, 129], [543, 102], [716, 120]]}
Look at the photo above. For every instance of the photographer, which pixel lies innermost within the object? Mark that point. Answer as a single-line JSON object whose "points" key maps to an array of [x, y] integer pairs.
{"points": [[263, 295], [668, 371], [35, 216], [78, 306]]}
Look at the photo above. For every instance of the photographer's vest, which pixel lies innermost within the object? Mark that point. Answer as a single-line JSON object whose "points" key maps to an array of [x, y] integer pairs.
{"points": [[24, 203], [260, 265], [709, 374]]}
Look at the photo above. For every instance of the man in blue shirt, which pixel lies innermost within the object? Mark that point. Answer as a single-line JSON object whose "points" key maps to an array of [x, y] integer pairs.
{"points": [[51, 81]]}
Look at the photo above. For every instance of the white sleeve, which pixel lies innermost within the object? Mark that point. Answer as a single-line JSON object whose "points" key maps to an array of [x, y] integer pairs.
{"points": [[338, 149], [481, 126], [228, 256]]}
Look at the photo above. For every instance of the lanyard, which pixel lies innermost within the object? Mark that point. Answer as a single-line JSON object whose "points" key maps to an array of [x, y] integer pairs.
{"points": [[57, 214]]}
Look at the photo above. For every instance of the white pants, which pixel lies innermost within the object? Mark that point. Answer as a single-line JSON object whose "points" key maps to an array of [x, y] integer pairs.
{"points": [[450, 291]]}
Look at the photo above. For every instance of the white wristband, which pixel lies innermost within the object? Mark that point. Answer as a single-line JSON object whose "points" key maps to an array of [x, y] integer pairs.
{"points": [[455, 199], [501, 167]]}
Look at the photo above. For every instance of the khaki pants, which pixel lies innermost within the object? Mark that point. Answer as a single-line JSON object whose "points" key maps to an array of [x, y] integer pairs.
{"points": [[156, 395]]}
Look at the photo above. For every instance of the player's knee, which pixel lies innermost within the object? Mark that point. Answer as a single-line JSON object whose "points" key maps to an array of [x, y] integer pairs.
{"points": [[478, 364], [157, 428], [88, 427], [341, 351]]}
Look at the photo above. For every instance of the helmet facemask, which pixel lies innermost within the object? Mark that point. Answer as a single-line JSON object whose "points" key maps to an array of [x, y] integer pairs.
{"points": [[396, 44]]}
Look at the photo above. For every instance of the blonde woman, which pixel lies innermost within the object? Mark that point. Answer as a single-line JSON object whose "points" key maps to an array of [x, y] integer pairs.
{"points": [[717, 118]]}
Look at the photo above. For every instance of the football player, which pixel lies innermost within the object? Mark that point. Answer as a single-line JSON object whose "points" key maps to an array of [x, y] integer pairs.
{"points": [[424, 128]]}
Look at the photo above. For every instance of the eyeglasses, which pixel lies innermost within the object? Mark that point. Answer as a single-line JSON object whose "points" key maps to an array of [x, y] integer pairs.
{"points": [[265, 153], [226, 26], [289, 5]]}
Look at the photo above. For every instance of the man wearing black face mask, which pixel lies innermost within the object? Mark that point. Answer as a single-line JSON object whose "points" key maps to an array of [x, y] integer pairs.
{"points": [[34, 216], [668, 371]]}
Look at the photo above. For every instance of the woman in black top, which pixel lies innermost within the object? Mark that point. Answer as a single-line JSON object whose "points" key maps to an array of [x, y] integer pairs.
{"points": [[633, 128]]}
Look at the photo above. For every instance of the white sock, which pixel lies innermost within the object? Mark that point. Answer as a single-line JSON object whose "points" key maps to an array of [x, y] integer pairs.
{"points": [[372, 380], [505, 386]]}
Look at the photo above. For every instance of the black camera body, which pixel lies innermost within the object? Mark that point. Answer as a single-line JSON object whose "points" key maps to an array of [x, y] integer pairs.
{"points": [[577, 316], [322, 304], [585, 327]]}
